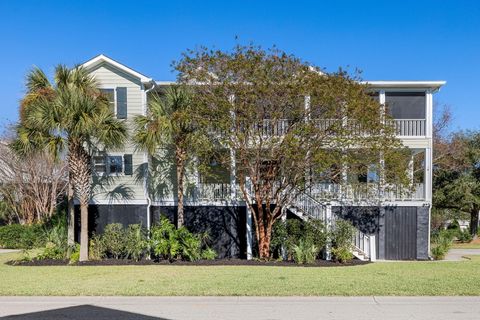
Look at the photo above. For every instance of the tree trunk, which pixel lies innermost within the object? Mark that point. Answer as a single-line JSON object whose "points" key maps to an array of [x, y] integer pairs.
{"points": [[474, 217], [84, 231], [264, 245], [80, 170], [70, 216], [265, 235], [180, 159]]}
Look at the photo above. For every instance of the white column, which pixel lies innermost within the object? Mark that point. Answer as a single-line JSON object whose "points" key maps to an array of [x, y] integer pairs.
{"points": [[233, 164], [308, 176], [382, 194], [284, 220], [307, 108], [328, 225], [249, 230], [373, 248], [233, 175], [429, 114], [428, 174], [344, 174], [381, 99]]}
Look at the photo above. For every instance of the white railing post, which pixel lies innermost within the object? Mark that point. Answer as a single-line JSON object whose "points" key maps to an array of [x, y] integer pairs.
{"points": [[328, 224], [284, 220], [373, 248], [249, 229]]}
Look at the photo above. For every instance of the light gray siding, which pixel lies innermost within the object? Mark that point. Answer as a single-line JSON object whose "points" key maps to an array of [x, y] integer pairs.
{"points": [[120, 186]]}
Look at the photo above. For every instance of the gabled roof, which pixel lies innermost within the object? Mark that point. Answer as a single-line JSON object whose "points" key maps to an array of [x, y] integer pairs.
{"points": [[104, 59]]}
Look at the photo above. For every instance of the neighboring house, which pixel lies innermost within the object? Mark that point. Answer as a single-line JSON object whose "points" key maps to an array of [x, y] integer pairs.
{"points": [[396, 229]]}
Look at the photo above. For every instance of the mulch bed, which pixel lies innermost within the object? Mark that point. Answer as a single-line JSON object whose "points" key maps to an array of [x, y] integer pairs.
{"points": [[218, 262]]}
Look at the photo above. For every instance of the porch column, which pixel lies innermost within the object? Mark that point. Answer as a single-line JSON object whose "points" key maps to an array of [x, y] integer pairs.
{"points": [[249, 229], [344, 174], [382, 191], [428, 114], [428, 174], [329, 227], [284, 220], [233, 176], [428, 187], [233, 163], [308, 175], [196, 179]]}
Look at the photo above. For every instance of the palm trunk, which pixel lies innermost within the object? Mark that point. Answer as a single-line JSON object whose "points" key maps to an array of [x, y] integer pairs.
{"points": [[180, 159], [70, 216], [84, 231], [79, 167]]}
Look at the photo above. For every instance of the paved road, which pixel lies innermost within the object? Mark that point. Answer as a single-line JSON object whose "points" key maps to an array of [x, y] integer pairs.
{"points": [[169, 308], [457, 254]]}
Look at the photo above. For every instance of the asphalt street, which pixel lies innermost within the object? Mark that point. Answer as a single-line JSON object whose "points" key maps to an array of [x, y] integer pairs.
{"points": [[170, 308]]}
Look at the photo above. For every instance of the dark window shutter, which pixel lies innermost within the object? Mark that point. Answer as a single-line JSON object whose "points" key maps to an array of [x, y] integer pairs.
{"points": [[122, 103], [128, 164]]}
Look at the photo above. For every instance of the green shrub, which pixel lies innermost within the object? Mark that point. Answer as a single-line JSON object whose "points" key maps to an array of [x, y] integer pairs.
{"points": [[342, 235], [17, 236], [289, 233], [209, 254], [168, 242], [464, 236], [164, 240], [441, 243], [114, 240], [51, 251], [342, 254], [75, 255], [96, 250], [191, 244], [136, 245], [305, 252]]}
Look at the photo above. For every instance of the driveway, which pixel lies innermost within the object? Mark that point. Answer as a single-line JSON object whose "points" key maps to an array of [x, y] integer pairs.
{"points": [[8, 250], [236, 308], [458, 254]]}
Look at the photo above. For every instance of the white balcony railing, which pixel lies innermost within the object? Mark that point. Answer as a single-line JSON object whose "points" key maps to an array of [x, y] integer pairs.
{"points": [[402, 127], [212, 191], [321, 192], [409, 127], [367, 191]]}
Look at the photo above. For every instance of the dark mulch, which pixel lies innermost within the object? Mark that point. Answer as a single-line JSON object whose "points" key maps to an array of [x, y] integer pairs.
{"points": [[218, 262]]}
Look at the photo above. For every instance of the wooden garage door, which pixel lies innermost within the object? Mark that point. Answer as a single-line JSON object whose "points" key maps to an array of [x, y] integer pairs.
{"points": [[401, 233]]}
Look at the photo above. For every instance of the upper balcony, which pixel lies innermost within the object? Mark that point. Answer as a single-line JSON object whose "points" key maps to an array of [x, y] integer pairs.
{"points": [[402, 127]]}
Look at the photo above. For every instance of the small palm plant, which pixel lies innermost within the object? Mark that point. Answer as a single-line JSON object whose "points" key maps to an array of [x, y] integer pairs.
{"points": [[171, 121], [69, 116]]}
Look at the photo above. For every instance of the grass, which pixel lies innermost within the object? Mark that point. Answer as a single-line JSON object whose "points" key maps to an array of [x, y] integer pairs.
{"points": [[381, 278]]}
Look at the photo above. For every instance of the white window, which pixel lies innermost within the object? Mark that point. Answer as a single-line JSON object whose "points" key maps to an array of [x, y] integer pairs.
{"points": [[113, 164], [117, 99]]}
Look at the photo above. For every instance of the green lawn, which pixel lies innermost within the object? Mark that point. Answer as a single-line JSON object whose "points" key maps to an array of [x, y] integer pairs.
{"points": [[382, 278]]}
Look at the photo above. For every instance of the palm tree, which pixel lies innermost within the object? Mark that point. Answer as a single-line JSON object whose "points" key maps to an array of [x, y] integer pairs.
{"points": [[170, 122], [72, 117]]}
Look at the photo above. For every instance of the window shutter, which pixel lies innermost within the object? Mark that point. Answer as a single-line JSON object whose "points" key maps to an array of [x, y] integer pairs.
{"points": [[122, 103], [128, 162]]}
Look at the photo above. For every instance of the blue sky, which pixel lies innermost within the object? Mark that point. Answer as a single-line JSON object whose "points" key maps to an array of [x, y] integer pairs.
{"points": [[388, 40]]}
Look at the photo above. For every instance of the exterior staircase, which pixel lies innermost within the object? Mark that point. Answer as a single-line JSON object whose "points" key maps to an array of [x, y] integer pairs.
{"points": [[306, 207]]}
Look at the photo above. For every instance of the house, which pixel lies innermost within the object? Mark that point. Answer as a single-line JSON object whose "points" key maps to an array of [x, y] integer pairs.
{"points": [[396, 228]]}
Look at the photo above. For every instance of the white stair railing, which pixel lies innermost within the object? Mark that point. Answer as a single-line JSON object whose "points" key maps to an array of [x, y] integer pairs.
{"points": [[309, 207], [363, 246]]}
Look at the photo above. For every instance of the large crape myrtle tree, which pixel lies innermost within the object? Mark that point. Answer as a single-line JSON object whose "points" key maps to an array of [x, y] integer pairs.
{"points": [[287, 123]]}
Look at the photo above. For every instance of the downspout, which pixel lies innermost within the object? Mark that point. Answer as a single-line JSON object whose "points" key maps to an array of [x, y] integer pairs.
{"points": [[146, 160]]}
